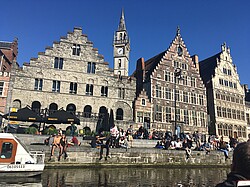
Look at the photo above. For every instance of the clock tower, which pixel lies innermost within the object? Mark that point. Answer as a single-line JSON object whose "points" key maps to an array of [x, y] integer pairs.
{"points": [[121, 45]]}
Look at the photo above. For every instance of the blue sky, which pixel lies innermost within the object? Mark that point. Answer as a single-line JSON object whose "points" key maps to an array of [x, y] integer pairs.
{"points": [[151, 26]]}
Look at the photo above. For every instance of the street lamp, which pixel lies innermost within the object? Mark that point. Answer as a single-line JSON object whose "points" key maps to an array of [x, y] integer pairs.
{"points": [[177, 74]]}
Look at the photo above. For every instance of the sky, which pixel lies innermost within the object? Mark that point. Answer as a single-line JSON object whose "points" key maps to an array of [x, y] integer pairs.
{"points": [[151, 25]]}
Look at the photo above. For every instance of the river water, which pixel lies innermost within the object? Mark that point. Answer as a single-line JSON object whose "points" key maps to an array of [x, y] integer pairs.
{"points": [[127, 177]]}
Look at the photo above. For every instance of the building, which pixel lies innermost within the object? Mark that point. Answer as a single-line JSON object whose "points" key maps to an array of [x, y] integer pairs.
{"points": [[72, 75], [171, 82], [247, 102], [8, 57], [225, 95]]}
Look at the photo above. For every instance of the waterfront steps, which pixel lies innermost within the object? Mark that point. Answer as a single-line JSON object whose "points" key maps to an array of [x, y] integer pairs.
{"points": [[141, 154]]}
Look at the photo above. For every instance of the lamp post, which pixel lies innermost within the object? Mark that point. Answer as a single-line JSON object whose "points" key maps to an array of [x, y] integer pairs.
{"points": [[177, 74]]}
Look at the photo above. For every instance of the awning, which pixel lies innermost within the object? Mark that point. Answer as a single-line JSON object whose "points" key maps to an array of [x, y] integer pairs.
{"points": [[23, 114], [61, 116]]}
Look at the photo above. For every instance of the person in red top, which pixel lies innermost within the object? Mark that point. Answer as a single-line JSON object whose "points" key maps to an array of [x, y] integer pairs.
{"points": [[74, 141]]}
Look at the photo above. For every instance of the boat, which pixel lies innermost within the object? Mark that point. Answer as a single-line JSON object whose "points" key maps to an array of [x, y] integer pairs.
{"points": [[16, 160]]}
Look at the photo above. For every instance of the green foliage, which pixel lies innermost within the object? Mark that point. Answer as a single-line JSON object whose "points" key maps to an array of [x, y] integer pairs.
{"points": [[50, 131], [31, 130]]}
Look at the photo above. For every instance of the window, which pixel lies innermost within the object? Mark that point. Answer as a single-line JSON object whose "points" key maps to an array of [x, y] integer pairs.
{"points": [[176, 64], [226, 83], [168, 114], [38, 84], [119, 63], [167, 76], [89, 89], [242, 115], [229, 113], [220, 129], [194, 118], [6, 151], [87, 111], [121, 93], [186, 117], [219, 111], [76, 49], [140, 117], [202, 118], [184, 66], [1, 88], [193, 82], [230, 84], [234, 113], [58, 63], [229, 72], [168, 93], [158, 91], [56, 86], [248, 118], [184, 78], [91, 67], [225, 71], [238, 114], [177, 95], [143, 102], [104, 91], [201, 100], [158, 115], [221, 81], [178, 115], [193, 98], [235, 85], [119, 114], [224, 112], [73, 88], [185, 97]]}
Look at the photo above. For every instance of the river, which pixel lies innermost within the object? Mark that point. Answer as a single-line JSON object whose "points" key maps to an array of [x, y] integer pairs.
{"points": [[124, 177]]}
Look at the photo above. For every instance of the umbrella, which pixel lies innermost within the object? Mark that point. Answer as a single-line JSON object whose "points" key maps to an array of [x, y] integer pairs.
{"points": [[23, 114], [61, 116], [111, 119]]}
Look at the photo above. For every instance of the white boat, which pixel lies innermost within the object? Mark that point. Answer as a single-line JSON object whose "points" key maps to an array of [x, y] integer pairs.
{"points": [[16, 160]]}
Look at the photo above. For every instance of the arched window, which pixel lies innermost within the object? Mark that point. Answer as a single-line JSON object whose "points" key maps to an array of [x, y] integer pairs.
{"points": [[87, 111], [230, 130], [119, 114], [71, 108], [225, 129], [36, 106], [53, 107], [244, 134], [239, 131]]}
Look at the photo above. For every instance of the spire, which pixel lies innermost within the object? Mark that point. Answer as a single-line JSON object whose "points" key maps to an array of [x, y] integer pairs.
{"points": [[178, 31], [122, 25]]}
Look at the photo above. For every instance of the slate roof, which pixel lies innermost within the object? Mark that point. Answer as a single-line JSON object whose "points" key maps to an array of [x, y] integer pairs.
{"points": [[207, 67], [151, 63]]}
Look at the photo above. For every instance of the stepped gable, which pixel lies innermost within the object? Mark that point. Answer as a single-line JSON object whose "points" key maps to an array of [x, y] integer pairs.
{"points": [[153, 62]]}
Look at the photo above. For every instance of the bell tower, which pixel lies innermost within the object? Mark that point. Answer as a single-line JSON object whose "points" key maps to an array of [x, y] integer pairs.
{"points": [[121, 47]]}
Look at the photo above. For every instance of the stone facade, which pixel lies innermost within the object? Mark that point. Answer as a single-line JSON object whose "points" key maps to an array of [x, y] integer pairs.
{"points": [[247, 102], [225, 95], [178, 99], [73, 75]]}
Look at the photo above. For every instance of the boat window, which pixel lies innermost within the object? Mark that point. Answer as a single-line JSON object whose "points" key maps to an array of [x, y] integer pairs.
{"points": [[6, 151]]}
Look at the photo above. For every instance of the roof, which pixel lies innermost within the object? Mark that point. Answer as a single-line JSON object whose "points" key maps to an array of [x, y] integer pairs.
{"points": [[247, 98], [152, 63], [207, 67]]}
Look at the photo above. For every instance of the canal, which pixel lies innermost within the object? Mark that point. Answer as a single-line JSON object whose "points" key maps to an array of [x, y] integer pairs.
{"points": [[125, 177]]}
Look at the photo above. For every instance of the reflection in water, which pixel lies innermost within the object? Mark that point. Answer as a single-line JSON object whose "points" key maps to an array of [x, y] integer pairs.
{"points": [[130, 177]]}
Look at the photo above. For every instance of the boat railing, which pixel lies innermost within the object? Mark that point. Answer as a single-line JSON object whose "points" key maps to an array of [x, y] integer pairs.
{"points": [[38, 156]]}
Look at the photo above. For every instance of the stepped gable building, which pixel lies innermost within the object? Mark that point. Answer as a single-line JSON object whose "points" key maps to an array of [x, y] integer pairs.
{"points": [[8, 57], [72, 75], [225, 95], [171, 81]]}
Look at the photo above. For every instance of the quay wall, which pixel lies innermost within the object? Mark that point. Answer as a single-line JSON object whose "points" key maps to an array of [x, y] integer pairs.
{"points": [[142, 154]]}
